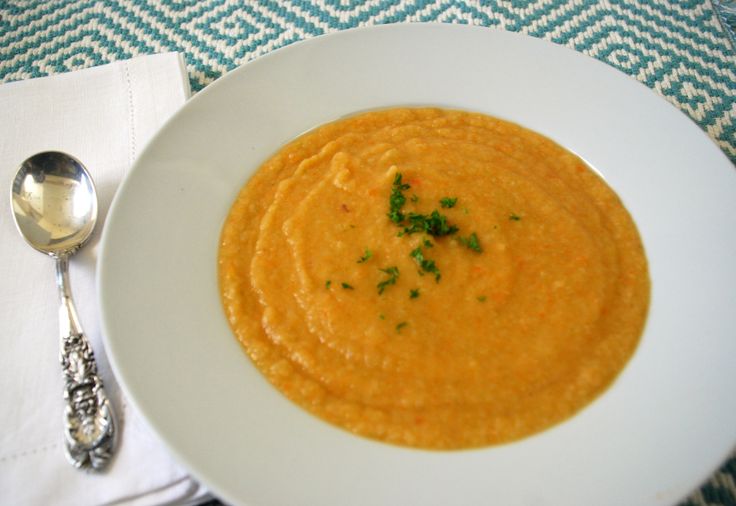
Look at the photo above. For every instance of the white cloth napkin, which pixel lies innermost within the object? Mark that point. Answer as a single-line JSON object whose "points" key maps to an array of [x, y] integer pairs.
{"points": [[103, 116]]}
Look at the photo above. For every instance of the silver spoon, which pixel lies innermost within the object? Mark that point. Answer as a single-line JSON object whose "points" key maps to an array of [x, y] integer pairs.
{"points": [[55, 210]]}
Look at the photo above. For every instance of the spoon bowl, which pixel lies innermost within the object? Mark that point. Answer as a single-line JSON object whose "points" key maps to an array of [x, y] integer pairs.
{"points": [[54, 206], [54, 203]]}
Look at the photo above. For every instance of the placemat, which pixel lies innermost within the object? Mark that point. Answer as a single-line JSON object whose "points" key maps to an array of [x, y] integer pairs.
{"points": [[679, 48]]}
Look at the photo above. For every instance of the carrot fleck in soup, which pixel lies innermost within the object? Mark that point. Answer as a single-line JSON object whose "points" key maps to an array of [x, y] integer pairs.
{"points": [[433, 278]]}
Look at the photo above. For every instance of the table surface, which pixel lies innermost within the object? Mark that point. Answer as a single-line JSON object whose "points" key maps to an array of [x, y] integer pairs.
{"points": [[681, 49]]}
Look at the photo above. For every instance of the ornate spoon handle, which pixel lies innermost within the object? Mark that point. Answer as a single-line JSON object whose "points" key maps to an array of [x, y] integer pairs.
{"points": [[89, 425]]}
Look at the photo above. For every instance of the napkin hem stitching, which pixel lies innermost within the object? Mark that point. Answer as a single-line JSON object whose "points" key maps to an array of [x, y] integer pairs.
{"points": [[27, 453], [131, 110]]}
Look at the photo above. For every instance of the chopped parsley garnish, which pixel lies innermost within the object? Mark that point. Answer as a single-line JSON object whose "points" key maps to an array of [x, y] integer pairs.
{"points": [[382, 316], [397, 199], [393, 275], [434, 224], [481, 298], [400, 326], [425, 264], [368, 253], [448, 202], [514, 217], [328, 283], [346, 286], [471, 242]]}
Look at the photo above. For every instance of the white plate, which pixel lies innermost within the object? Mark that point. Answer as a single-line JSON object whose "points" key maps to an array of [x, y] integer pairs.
{"points": [[664, 426]]}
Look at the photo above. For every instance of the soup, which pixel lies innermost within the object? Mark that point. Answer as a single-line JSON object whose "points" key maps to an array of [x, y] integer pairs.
{"points": [[433, 278]]}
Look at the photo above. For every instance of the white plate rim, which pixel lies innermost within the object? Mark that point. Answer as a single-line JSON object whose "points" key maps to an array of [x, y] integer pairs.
{"points": [[680, 478]]}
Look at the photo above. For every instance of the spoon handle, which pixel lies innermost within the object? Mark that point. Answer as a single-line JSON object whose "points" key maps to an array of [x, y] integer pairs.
{"points": [[89, 425]]}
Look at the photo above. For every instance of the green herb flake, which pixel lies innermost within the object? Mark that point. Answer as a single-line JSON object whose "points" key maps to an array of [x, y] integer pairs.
{"points": [[400, 326], [427, 243], [347, 286], [471, 242], [382, 316], [425, 264], [328, 283], [393, 275], [368, 253], [414, 293], [481, 298], [514, 217], [448, 202], [414, 198], [434, 224], [397, 199]]}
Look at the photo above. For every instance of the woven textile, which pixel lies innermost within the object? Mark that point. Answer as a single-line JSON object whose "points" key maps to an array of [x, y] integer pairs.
{"points": [[678, 48]]}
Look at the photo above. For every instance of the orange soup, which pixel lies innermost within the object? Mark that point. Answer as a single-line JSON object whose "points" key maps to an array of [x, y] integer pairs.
{"points": [[433, 278]]}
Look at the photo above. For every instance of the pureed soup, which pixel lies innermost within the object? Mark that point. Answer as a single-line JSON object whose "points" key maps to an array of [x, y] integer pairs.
{"points": [[433, 278]]}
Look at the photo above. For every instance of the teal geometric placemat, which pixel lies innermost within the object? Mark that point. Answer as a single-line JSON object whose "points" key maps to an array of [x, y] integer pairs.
{"points": [[679, 49]]}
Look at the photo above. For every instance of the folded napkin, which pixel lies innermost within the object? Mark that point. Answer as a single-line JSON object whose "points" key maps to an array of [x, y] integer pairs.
{"points": [[103, 116]]}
